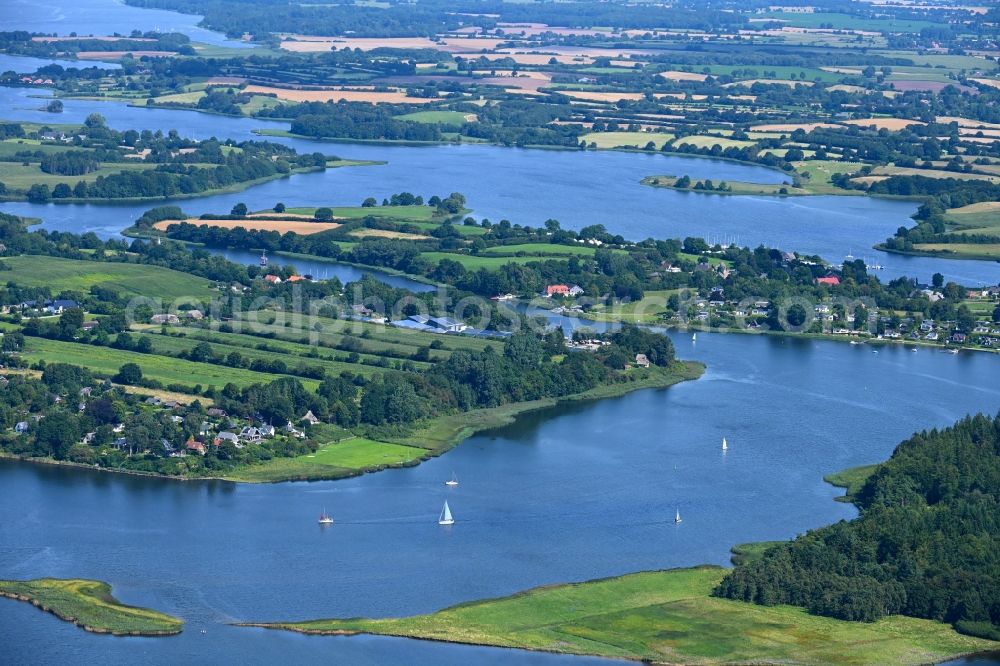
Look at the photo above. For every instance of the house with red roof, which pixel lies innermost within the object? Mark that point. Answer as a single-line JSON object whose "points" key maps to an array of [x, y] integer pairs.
{"points": [[830, 280]]}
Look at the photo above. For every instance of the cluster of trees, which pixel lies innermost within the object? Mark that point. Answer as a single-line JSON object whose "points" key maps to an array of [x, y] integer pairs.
{"points": [[942, 193], [927, 542], [354, 120], [70, 163]]}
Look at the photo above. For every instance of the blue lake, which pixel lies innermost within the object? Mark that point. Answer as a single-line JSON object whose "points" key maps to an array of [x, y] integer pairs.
{"points": [[571, 493]]}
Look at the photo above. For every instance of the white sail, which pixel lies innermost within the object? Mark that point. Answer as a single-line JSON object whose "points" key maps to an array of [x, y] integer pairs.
{"points": [[453, 481], [446, 517], [677, 516], [725, 446], [694, 337]]}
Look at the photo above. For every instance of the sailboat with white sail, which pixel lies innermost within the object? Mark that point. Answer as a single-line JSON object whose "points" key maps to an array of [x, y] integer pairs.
{"points": [[725, 444], [446, 517], [325, 519], [453, 481], [677, 517]]}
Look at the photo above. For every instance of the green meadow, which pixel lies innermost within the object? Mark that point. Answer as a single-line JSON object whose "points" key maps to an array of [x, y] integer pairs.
{"points": [[666, 616], [79, 275], [89, 604]]}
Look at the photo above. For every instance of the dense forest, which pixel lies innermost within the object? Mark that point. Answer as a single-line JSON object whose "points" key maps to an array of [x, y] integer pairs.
{"points": [[927, 542]]}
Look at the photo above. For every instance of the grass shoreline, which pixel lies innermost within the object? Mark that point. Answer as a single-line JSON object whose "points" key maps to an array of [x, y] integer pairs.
{"points": [[665, 616], [90, 605], [937, 254]]}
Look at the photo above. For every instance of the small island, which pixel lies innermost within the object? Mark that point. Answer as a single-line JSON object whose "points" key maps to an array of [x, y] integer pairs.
{"points": [[90, 605]]}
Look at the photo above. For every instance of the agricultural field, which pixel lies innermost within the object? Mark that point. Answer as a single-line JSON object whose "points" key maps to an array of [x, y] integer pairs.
{"points": [[105, 361], [624, 139], [978, 218], [400, 213], [19, 176], [303, 227], [345, 95], [60, 274], [453, 118]]}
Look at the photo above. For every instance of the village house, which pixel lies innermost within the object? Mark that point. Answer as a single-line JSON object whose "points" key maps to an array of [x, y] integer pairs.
{"points": [[309, 418], [251, 434], [272, 279], [556, 290], [641, 361], [829, 280], [164, 319]]}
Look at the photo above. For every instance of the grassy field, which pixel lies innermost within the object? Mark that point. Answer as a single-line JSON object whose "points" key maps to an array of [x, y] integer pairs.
{"points": [[709, 141], [977, 218], [988, 251], [644, 311], [667, 616], [453, 118], [16, 175], [851, 479], [89, 604], [817, 174], [620, 139], [335, 460], [106, 361], [78, 275], [474, 262], [538, 250]]}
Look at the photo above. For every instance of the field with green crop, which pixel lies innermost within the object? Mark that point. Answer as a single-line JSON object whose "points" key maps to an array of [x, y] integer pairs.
{"points": [[16, 175], [89, 604], [538, 250], [453, 118], [667, 616], [129, 279], [106, 361], [619, 139]]}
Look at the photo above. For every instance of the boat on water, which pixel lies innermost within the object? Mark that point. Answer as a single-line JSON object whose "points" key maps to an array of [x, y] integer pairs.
{"points": [[855, 342], [694, 337], [263, 258], [446, 517], [325, 519], [952, 351], [725, 444], [453, 481], [677, 517]]}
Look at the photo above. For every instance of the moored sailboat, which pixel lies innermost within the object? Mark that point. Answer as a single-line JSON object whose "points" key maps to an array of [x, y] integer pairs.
{"points": [[325, 519], [453, 481]]}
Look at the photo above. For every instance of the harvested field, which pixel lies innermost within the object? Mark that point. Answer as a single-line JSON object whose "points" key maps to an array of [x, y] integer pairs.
{"points": [[682, 76], [281, 226], [843, 87], [336, 95], [790, 127], [967, 122], [981, 207], [993, 83], [386, 233], [892, 124], [593, 96], [457, 44], [771, 82], [536, 58]]}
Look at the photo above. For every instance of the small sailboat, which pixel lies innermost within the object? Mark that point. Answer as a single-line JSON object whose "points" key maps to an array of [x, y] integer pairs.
{"points": [[453, 481], [677, 517], [725, 444], [446, 517], [694, 337], [263, 258], [324, 519]]}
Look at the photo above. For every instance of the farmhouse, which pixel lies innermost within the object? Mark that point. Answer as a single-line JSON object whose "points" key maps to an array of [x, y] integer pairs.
{"points": [[830, 280]]}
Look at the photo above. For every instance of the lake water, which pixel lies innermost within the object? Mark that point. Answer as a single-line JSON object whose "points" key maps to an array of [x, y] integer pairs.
{"points": [[580, 188], [28, 65], [102, 17], [571, 493]]}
